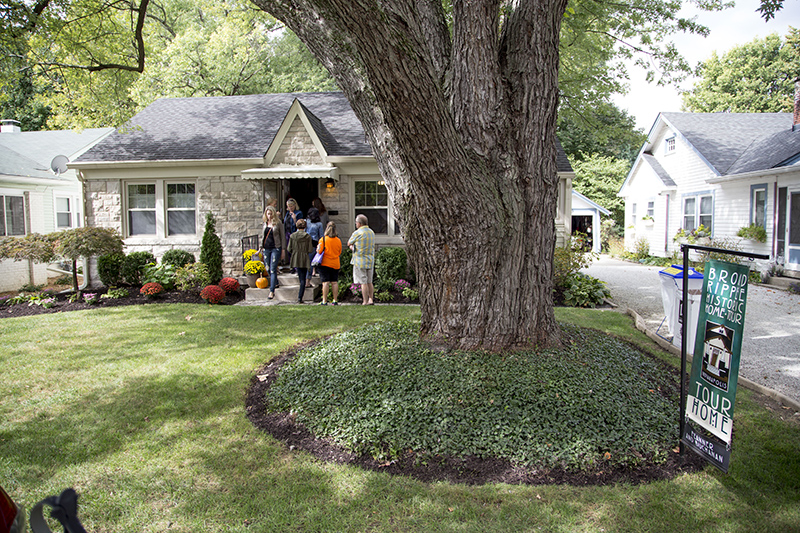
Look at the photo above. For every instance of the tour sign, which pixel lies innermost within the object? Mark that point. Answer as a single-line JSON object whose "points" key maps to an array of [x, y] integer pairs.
{"points": [[715, 366]]}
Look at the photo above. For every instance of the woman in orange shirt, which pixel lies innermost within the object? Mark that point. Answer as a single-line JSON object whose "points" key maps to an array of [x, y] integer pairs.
{"points": [[329, 268]]}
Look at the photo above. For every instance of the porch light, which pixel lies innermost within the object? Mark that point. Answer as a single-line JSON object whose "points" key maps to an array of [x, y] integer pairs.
{"points": [[329, 183]]}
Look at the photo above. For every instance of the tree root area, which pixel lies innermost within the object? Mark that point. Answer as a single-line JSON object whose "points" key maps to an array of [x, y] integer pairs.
{"points": [[466, 470]]}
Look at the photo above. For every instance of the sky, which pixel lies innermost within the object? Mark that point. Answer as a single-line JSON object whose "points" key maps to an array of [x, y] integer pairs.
{"points": [[729, 28]]}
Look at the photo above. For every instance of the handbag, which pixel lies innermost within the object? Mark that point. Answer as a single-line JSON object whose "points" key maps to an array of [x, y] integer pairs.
{"points": [[317, 261]]}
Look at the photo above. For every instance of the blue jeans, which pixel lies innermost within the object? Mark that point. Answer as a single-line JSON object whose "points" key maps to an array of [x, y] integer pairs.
{"points": [[272, 256], [301, 273]]}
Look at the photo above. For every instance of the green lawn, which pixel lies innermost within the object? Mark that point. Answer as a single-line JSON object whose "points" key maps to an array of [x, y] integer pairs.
{"points": [[141, 410]]}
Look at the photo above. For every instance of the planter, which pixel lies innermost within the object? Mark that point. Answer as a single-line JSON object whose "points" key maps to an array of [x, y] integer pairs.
{"points": [[649, 223], [251, 279], [703, 241]]}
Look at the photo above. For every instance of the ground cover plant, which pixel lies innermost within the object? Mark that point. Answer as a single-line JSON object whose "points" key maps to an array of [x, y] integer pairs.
{"points": [[142, 410], [379, 390]]}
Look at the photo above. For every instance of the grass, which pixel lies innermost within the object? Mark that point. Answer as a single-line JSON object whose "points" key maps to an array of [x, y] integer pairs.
{"points": [[141, 410]]}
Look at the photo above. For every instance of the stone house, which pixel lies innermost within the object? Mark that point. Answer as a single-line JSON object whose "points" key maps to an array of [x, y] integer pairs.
{"points": [[156, 178]]}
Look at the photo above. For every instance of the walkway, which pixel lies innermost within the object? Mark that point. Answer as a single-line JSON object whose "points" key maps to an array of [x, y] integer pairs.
{"points": [[771, 345]]}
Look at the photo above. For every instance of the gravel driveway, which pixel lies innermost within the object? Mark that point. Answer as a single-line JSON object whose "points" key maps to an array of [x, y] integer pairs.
{"points": [[771, 345]]}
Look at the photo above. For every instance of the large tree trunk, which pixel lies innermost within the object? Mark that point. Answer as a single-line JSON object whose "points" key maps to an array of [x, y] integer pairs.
{"points": [[463, 128]]}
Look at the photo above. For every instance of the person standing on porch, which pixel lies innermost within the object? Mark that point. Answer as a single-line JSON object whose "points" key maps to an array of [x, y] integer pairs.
{"points": [[323, 213], [299, 247], [331, 245], [293, 214], [362, 243], [272, 245], [315, 229]]}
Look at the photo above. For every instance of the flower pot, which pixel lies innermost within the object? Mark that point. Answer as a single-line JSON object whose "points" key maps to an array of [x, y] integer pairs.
{"points": [[252, 279], [703, 241]]}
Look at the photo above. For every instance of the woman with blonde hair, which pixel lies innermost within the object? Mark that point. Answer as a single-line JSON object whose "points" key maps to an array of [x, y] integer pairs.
{"points": [[329, 268], [272, 245]]}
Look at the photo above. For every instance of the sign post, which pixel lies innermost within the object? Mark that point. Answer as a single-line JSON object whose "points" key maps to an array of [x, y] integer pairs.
{"points": [[715, 364]]}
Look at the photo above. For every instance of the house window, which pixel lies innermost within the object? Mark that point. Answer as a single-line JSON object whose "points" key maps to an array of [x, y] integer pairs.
{"points": [[12, 221], [758, 205], [633, 213], [161, 209], [698, 210], [142, 209], [67, 215], [669, 145], [651, 209], [372, 199], [181, 217]]}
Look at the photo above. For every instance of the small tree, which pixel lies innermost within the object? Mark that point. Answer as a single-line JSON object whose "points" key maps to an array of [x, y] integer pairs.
{"points": [[34, 247], [87, 242], [211, 249]]}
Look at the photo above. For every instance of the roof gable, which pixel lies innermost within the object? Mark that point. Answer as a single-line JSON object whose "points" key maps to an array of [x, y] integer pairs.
{"points": [[733, 143]]}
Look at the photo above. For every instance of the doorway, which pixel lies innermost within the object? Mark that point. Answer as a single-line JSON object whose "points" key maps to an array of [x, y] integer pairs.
{"points": [[302, 190]]}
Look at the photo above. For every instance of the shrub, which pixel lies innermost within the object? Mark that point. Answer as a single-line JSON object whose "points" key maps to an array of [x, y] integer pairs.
{"points": [[213, 294], [163, 274], [391, 263], [31, 287], [116, 293], [346, 269], [151, 289], [383, 285], [567, 262], [401, 284], [411, 294], [211, 249], [753, 232], [754, 276], [384, 296], [192, 276], [133, 265], [177, 258], [229, 285], [641, 249], [585, 291], [109, 268]]}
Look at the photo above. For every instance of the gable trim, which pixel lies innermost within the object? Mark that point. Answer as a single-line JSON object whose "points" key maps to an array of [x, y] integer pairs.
{"points": [[295, 111]]}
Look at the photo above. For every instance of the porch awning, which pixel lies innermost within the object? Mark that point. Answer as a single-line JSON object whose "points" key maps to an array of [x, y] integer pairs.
{"points": [[291, 173]]}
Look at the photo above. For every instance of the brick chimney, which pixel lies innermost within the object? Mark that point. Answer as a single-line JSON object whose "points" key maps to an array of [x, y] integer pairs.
{"points": [[9, 126], [796, 121]]}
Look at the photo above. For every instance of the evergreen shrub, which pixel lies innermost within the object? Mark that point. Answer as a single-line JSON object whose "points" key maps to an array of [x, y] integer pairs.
{"points": [[133, 266]]}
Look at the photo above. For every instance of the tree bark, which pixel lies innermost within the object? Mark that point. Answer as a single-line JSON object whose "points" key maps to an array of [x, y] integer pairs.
{"points": [[463, 128]]}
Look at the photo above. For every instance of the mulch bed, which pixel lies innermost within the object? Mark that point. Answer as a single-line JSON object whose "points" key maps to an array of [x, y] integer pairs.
{"points": [[467, 470], [134, 298]]}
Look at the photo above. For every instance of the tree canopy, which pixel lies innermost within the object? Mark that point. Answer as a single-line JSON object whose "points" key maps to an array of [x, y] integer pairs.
{"points": [[756, 77]]}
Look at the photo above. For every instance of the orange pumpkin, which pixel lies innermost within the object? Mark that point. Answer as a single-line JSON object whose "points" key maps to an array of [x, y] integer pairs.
{"points": [[262, 282]]}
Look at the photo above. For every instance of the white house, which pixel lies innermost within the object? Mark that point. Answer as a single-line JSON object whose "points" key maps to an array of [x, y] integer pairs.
{"points": [[724, 171], [38, 193], [156, 178]]}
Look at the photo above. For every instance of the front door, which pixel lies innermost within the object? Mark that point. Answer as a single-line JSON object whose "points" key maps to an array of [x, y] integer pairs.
{"points": [[303, 190], [793, 231]]}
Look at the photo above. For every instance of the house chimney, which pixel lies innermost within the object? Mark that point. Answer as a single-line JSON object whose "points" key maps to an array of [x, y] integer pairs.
{"points": [[796, 121], [8, 125]]}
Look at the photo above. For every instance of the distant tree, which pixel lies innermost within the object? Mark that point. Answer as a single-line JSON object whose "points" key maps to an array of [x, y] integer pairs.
{"points": [[211, 249], [34, 247], [599, 178], [604, 130], [756, 77]]}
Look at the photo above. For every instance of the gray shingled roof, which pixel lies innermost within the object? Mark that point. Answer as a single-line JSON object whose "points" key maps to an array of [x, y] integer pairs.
{"points": [[30, 153], [734, 143], [666, 179], [235, 127], [227, 127]]}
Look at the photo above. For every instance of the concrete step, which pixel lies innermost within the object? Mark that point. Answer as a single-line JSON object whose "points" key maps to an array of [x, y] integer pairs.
{"points": [[288, 288]]}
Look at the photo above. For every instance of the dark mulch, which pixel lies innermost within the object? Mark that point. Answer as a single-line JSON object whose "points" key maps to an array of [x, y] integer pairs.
{"points": [[468, 470], [134, 298]]}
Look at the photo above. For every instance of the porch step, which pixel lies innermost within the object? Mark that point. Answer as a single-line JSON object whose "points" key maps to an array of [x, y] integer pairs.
{"points": [[288, 287]]}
